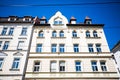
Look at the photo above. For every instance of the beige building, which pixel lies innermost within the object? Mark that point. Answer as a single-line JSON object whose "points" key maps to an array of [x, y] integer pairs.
{"points": [[69, 50], [15, 33]]}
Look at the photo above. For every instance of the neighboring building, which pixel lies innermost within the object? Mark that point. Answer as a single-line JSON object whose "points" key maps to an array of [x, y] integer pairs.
{"points": [[116, 54], [15, 33], [68, 50]]}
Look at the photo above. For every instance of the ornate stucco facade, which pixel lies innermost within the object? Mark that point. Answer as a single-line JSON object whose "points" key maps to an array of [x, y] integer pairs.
{"points": [[68, 50]]}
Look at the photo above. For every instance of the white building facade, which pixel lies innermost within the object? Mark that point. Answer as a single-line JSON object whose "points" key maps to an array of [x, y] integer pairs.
{"points": [[67, 50], [116, 55], [15, 34]]}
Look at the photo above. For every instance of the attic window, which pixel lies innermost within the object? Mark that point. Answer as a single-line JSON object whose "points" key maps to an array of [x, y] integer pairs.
{"points": [[42, 22], [58, 21], [11, 19], [26, 19], [88, 22]]}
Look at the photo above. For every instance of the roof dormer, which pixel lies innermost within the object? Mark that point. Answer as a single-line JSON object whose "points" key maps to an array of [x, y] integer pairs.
{"points": [[58, 21], [43, 20], [12, 18], [27, 18], [72, 20], [88, 20]]}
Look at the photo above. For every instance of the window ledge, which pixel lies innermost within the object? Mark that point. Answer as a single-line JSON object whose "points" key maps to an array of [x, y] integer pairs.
{"points": [[93, 37], [58, 24], [57, 37], [75, 37], [41, 37], [14, 69]]}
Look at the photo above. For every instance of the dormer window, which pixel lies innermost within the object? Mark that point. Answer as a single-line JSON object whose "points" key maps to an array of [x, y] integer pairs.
{"points": [[88, 22], [42, 22], [11, 19], [26, 19], [58, 21]]}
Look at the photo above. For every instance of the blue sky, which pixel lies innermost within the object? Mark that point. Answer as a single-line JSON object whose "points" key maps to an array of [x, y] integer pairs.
{"points": [[108, 14]]}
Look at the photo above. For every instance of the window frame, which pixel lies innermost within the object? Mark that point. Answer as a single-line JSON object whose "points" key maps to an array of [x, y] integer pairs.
{"points": [[98, 48], [90, 48], [61, 66], [39, 48], [53, 69], [61, 34], [74, 34], [103, 66], [76, 48], [95, 34], [16, 64], [78, 66], [6, 45], [54, 34], [41, 34], [4, 31], [54, 48], [1, 63], [20, 45], [36, 68], [61, 48], [11, 31], [88, 34], [94, 66], [24, 31]]}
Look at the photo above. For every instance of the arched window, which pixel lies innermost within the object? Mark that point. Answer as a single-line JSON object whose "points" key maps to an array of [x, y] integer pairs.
{"points": [[74, 34], [54, 34], [95, 34], [87, 34], [40, 34], [61, 34], [58, 20]]}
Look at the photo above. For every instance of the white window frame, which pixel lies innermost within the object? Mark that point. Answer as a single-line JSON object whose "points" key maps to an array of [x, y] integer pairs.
{"points": [[62, 66], [20, 45], [16, 63], [38, 67], [6, 45], [11, 31], [1, 62], [24, 31]]}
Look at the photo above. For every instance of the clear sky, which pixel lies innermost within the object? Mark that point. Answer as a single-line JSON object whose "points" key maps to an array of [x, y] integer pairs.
{"points": [[108, 14]]}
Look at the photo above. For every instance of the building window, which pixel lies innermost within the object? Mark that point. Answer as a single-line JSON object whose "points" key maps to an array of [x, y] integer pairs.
{"points": [[74, 34], [61, 48], [53, 66], [87, 34], [1, 62], [76, 48], [40, 34], [6, 44], [103, 66], [90, 48], [36, 66], [61, 34], [54, 34], [20, 45], [57, 22], [42, 22], [24, 31], [78, 66], [11, 31], [62, 66], [39, 48], [95, 34], [16, 63], [0, 43], [53, 50], [94, 66], [4, 31], [98, 48]]}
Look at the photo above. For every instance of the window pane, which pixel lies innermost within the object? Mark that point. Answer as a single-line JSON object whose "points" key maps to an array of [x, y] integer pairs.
{"points": [[1, 63], [20, 45], [41, 34], [16, 63], [36, 66], [4, 31], [90, 47], [39, 48], [103, 66], [98, 48], [53, 50], [87, 34], [62, 66], [61, 34], [54, 34], [76, 49], [6, 44], [24, 31], [61, 48], [53, 66], [94, 66], [11, 31], [78, 66], [95, 34], [74, 34]]}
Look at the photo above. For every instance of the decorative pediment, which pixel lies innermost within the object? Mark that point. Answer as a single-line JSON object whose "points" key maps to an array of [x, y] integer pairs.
{"points": [[3, 54], [58, 21], [17, 54]]}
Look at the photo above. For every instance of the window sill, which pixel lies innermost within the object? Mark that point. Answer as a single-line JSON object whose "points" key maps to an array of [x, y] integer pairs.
{"points": [[93, 37], [58, 37], [14, 69], [41, 37], [75, 37]]}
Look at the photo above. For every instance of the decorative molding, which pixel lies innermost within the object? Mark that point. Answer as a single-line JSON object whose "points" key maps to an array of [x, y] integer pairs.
{"points": [[2, 53], [17, 54]]}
